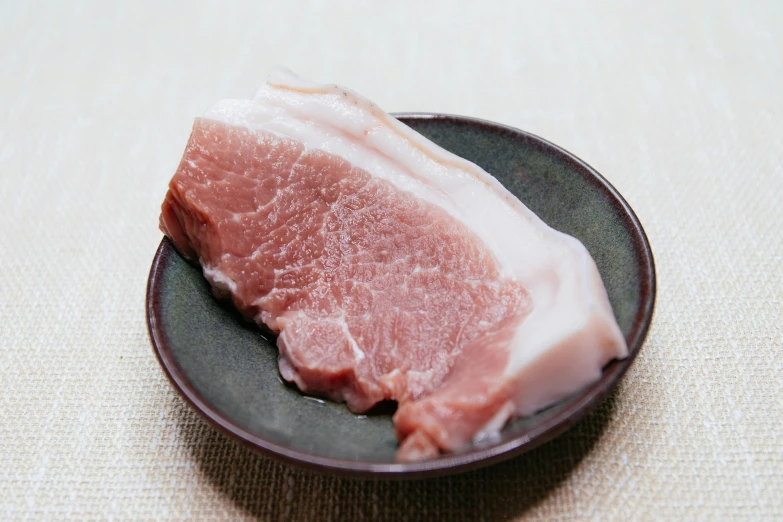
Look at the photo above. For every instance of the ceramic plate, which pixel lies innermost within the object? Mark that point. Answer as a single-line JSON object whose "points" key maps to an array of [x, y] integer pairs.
{"points": [[227, 369]]}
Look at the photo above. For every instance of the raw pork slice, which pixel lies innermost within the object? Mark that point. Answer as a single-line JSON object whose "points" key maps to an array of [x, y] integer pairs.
{"points": [[390, 268]]}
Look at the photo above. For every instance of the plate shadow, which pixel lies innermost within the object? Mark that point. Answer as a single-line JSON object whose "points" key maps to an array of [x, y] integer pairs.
{"points": [[268, 490]]}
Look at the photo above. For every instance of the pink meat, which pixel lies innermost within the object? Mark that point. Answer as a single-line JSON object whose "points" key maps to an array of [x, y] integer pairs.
{"points": [[375, 293]]}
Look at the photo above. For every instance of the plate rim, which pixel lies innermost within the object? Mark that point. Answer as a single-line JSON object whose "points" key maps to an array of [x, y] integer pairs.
{"points": [[587, 400]]}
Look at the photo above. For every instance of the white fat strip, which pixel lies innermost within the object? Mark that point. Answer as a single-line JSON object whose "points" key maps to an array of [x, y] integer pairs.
{"points": [[219, 279], [357, 352], [491, 429]]}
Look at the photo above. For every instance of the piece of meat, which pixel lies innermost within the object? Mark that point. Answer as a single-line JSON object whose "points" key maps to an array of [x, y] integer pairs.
{"points": [[390, 268]]}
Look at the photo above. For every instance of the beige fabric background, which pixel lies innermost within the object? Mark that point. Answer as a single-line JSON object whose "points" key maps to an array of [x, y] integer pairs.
{"points": [[679, 104]]}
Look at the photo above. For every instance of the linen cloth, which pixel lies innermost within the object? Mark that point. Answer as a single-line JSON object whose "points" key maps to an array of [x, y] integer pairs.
{"points": [[678, 104]]}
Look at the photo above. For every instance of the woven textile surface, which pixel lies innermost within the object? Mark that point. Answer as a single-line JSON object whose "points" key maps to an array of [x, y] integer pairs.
{"points": [[678, 104]]}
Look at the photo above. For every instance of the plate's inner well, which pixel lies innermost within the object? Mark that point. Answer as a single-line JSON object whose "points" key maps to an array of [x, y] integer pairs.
{"points": [[233, 366]]}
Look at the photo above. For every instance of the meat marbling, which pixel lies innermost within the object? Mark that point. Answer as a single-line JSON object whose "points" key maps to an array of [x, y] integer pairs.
{"points": [[390, 268]]}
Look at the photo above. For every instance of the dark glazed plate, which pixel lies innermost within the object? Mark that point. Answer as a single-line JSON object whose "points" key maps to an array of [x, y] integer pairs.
{"points": [[227, 369]]}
